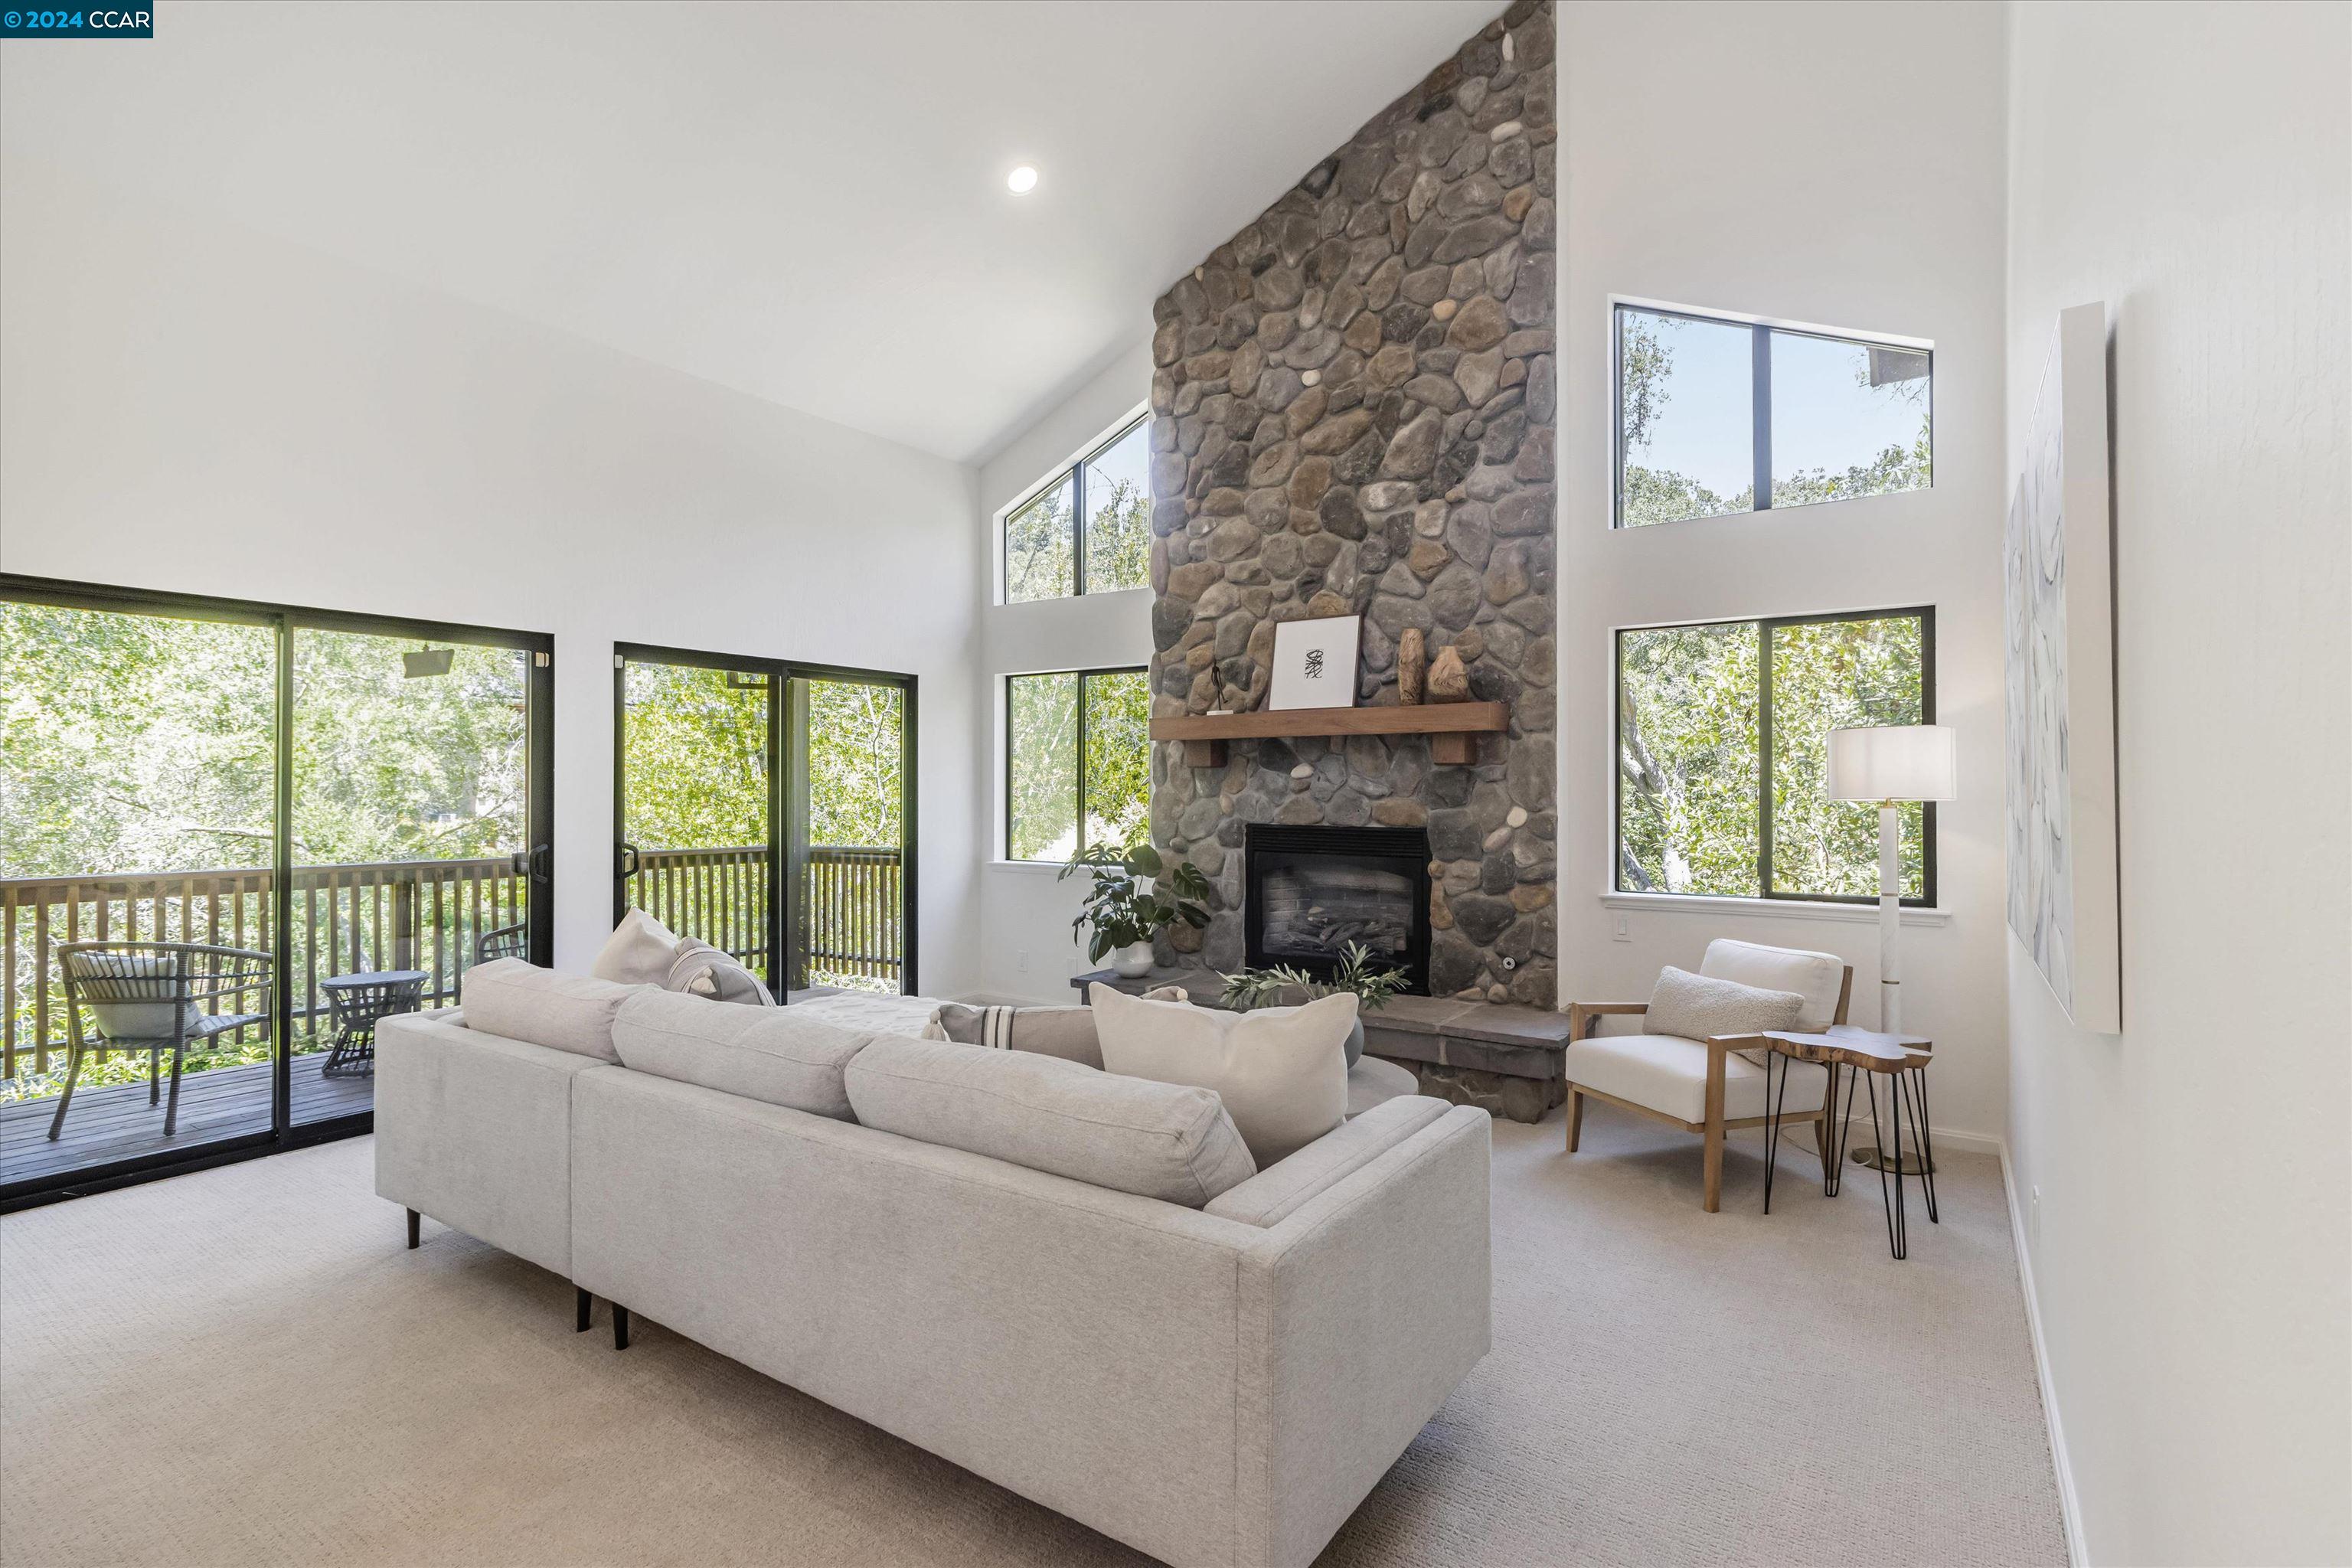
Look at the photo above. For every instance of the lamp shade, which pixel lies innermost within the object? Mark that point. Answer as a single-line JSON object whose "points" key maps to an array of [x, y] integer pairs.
{"points": [[1894, 761]]}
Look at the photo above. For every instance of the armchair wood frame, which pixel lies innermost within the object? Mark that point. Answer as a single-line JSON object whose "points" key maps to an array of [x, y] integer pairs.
{"points": [[1583, 1016]]}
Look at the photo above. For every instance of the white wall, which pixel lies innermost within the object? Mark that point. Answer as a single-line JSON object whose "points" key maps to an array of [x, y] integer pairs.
{"points": [[185, 406], [1834, 164], [1024, 912], [2190, 165]]}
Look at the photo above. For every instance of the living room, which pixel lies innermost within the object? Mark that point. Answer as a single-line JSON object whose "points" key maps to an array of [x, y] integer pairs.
{"points": [[1337, 568]]}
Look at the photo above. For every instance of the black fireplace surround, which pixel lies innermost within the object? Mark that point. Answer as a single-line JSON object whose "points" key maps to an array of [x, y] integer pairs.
{"points": [[1311, 891]]}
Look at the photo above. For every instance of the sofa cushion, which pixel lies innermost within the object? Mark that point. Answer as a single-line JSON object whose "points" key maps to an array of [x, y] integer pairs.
{"points": [[1066, 1031], [138, 1020], [1268, 1197], [1282, 1072], [761, 1053], [1155, 1140], [1669, 1074], [1818, 977], [702, 970], [512, 999], [1694, 1006], [639, 953]]}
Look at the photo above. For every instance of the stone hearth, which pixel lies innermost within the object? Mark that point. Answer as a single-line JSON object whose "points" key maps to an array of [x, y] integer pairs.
{"points": [[1353, 413]]}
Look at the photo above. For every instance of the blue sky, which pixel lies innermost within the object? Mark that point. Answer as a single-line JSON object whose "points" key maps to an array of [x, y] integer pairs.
{"points": [[1821, 418]]}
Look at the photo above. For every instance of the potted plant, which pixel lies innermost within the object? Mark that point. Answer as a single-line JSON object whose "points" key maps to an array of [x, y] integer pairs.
{"points": [[1127, 908], [1252, 988]]}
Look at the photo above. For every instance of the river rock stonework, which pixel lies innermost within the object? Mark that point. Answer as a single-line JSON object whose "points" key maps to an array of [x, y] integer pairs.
{"points": [[1352, 412]]}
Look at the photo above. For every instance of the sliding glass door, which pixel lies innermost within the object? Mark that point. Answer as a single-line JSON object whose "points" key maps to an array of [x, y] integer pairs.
{"points": [[694, 799], [138, 803], [853, 738], [341, 810], [765, 807], [412, 837]]}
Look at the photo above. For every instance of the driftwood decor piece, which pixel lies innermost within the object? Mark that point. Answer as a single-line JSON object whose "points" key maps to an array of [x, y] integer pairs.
{"points": [[1412, 668], [1448, 681]]}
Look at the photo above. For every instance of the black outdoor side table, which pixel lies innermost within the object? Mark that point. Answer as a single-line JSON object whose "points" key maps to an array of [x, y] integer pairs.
{"points": [[358, 1001]]}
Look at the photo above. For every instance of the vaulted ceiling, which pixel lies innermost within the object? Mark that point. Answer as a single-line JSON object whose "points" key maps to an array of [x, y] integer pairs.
{"points": [[805, 202]]}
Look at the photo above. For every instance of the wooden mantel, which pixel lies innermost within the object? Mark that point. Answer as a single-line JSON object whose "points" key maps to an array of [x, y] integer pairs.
{"points": [[1451, 726]]}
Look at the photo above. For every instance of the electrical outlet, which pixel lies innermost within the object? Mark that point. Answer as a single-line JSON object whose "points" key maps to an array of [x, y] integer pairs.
{"points": [[1021, 960], [2033, 1216], [1623, 931]]}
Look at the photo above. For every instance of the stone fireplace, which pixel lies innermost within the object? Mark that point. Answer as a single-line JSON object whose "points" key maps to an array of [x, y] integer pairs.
{"points": [[1353, 413], [1309, 893]]}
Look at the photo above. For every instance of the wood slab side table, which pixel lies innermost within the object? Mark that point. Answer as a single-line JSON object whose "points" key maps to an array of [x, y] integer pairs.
{"points": [[1903, 1060]]}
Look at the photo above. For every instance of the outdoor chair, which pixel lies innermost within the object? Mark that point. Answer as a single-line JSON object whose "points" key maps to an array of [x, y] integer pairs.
{"points": [[155, 996], [507, 941]]}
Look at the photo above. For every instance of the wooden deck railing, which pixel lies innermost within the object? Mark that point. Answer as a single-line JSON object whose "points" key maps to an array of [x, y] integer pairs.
{"points": [[850, 910], [852, 916], [424, 914], [427, 915], [719, 895]]}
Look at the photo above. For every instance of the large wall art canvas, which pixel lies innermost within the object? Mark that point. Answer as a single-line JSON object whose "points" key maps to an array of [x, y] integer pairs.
{"points": [[2056, 554]]}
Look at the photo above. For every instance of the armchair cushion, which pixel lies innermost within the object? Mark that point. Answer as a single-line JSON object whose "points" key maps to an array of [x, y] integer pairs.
{"points": [[1818, 977], [1694, 1006], [1667, 1073]]}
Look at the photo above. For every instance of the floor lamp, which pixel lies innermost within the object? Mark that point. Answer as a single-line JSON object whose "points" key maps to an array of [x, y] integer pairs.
{"points": [[1891, 764]]}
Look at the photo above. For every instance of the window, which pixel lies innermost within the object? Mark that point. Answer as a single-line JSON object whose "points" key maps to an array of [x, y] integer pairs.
{"points": [[1723, 754], [1088, 528], [1718, 417], [1077, 762]]}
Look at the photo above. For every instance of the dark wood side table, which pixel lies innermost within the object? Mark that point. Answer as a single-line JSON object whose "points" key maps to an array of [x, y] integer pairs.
{"points": [[1902, 1060]]}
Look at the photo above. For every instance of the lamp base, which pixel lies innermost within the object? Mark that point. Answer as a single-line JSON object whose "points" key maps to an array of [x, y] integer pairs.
{"points": [[1876, 1159]]}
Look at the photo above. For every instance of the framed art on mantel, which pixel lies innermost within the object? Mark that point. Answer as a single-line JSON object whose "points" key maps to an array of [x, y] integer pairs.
{"points": [[1314, 663], [2056, 556]]}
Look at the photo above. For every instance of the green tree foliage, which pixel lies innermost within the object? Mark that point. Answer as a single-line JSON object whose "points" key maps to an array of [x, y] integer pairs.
{"points": [[133, 743], [1040, 548], [1690, 763], [1834, 675], [1119, 539], [695, 758], [855, 775], [1043, 720], [1687, 761]]}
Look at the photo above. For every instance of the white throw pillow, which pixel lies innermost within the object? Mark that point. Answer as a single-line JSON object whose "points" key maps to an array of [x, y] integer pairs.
{"points": [[1281, 1071], [1694, 1006], [639, 953]]}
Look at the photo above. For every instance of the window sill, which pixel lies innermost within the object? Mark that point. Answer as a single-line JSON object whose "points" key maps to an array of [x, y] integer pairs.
{"points": [[1049, 867], [1768, 908]]}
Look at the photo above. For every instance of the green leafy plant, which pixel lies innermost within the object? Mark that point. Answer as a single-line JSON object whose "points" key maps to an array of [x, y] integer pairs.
{"points": [[1250, 988], [1121, 909]]}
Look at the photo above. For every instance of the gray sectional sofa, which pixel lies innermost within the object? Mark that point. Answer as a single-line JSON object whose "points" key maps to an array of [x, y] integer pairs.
{"points": [[1074, 1284]]}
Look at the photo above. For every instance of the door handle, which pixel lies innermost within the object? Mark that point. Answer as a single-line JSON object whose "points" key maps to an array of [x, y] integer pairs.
{"points": [[541, 855], [626, 861]]}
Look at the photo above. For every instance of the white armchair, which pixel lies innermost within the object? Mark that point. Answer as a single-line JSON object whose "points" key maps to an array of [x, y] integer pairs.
{"points": [[1705, 1086]]}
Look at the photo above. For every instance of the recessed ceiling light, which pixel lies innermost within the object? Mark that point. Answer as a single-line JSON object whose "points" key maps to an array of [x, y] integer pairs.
{"points": [[1023, 180]]}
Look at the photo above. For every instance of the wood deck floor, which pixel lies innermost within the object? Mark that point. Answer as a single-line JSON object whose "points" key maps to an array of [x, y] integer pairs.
{"points": [[114, 1123]]}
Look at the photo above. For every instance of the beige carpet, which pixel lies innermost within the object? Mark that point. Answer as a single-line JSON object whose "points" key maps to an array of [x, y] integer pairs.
{"points": [[244, 1366]]}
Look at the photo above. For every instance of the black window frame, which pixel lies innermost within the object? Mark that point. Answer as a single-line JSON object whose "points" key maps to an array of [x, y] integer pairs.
{"points": [[1765, 627], [1759, 363], [1079, 772], [1076, 473]]}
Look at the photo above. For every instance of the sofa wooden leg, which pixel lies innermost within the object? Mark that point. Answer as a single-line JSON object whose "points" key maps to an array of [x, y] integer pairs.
{"points": [[579, 1304], [413, 1218], [620, 1327], [1575, 1117]]}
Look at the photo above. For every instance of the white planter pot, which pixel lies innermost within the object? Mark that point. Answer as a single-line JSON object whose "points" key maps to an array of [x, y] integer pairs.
{"points": [[1133, 960]]}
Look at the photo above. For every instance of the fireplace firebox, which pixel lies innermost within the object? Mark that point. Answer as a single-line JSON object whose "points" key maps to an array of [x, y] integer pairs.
{"points": [[1309, 891]]}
